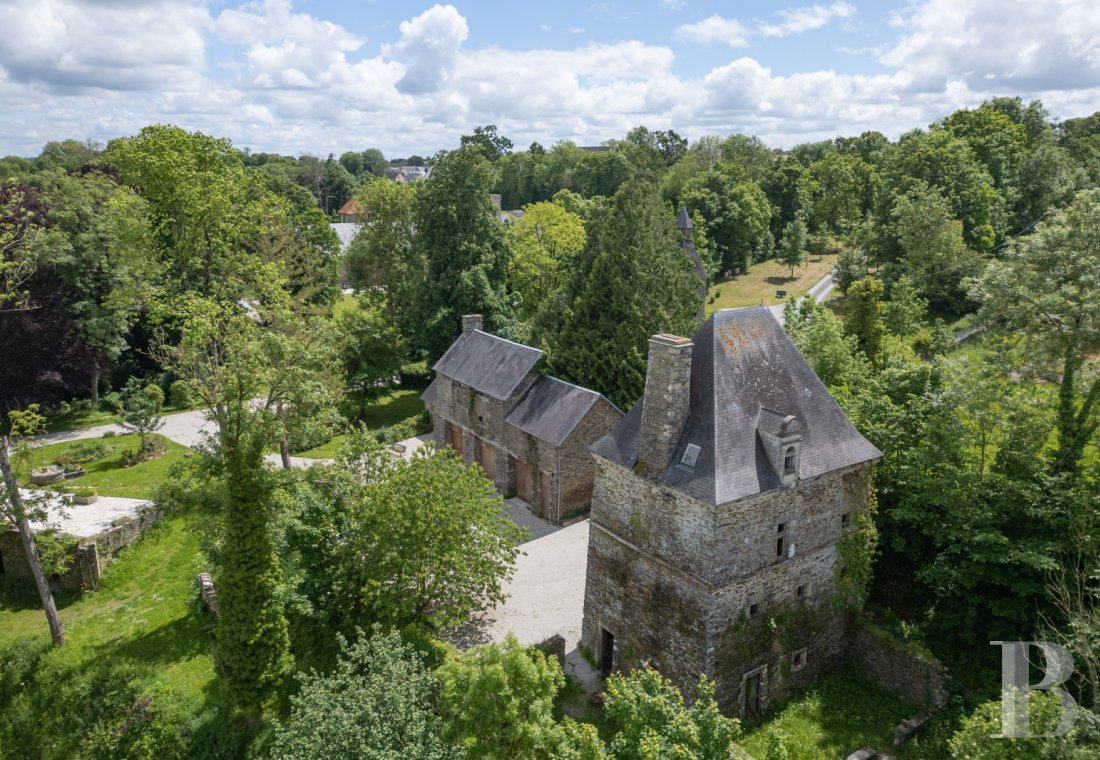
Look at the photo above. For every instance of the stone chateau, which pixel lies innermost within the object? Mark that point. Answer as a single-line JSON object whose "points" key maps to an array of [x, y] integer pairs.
{"points": [[720, 502], [530, 433]]}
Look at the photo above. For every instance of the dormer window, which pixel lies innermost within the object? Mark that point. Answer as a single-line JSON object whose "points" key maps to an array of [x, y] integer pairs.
{"points": [[781, 436], [789, 464]]}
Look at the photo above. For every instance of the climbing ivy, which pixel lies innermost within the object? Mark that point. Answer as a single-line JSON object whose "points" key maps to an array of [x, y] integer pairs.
{"points": [[856, 551]]}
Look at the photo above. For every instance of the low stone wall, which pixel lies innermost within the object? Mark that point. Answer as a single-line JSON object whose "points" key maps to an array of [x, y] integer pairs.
{"points": [[911, 674], [89, 555]]}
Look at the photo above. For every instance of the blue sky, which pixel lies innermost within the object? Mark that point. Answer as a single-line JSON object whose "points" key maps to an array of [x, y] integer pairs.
{"points": [[321, 76]]}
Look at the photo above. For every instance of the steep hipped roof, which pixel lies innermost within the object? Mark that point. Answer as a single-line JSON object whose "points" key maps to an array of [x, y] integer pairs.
{"points": [[488, 364], [346, 231], [742, 360], [551, 408]]}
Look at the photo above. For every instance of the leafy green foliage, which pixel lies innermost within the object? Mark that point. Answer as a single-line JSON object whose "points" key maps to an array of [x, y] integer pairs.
{"points": [[792, 246], [639, 282], [497, 701], [466, 248], [544, 241], [375, 705], [654, 722], [975, 738], [863, 316]]}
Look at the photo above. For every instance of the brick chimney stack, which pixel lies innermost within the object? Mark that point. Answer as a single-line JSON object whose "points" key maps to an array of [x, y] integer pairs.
{"points": [[667, 402]]}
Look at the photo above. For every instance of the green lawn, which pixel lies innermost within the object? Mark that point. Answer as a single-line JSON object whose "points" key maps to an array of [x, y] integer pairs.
{"points": [[832, 719], [388, 410], [80, 420], [135, 636], [347, 302], [108, 476], [758, 286]]}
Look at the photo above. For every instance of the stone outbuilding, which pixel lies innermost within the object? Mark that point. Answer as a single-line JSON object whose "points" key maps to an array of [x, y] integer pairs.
{"points": [[530, 433], [721, 506]]}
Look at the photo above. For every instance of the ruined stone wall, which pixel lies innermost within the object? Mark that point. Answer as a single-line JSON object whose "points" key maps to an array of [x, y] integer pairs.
{"points": [[912, 675], [87, 556]]}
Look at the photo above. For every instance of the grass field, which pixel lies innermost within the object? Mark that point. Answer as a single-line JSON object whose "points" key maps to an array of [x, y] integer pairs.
{"points": [[108, 476], [80, 420], [347, 302], [837, 716], [763, 279], [388, 410]]}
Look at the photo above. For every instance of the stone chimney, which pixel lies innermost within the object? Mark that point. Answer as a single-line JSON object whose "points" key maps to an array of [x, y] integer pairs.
{"points": [[667, 402], [470, 322]]}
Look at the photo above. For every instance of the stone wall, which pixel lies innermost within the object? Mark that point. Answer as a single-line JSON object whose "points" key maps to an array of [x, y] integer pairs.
{"points": [[914, 676], [87, 555], [576, 464]]}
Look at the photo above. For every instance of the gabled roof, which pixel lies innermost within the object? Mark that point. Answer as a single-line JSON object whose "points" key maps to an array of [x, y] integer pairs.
{"points": [[551, 409], [742, 360], [488, 364], [351, 207]]}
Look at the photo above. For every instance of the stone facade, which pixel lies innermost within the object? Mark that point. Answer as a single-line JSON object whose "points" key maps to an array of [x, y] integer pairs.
{"points": [[742, 589], [540, 456], [87, 555], [912, 675]]}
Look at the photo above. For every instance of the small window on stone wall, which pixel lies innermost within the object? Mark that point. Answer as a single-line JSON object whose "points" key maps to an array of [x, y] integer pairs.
{"points": [[754, 610], [781, 540], [798, 660], [800, 592], [846, 520]]}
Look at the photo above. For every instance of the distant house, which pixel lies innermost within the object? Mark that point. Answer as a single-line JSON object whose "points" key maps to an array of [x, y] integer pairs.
{"points": [[407, 173], [349, 212], [530, 433]]}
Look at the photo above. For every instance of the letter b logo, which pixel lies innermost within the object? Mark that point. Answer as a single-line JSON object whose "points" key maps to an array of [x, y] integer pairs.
{"points": [[1016, 691]]}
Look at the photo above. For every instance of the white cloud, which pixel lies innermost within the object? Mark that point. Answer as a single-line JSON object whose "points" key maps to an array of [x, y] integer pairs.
{"points": [[1028, 47], [728, 31], [799, 20], [292, 82], [68, 45], [429, 45]]}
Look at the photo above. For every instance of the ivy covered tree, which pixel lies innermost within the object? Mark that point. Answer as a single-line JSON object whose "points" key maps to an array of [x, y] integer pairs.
{"points": [[636, 282], [863, 316], [466, 249], [544, 240]]}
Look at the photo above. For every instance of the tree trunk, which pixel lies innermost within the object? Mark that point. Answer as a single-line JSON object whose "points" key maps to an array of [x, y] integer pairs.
{"points": [[284, 452], [95, 382], [57, 630]]}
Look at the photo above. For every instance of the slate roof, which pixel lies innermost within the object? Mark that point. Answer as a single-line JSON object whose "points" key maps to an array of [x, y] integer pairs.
{"points": [[488, 364], [430, 394], [551, 408], [742, 360], [346, 231]]}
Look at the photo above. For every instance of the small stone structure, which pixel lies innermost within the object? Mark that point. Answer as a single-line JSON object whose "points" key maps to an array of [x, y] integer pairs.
{"points": [[98, 531], [207, 593], [719, 503], [530, 433]]}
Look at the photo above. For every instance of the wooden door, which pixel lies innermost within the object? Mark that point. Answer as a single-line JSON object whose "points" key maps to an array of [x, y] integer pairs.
{"points": [[456, 440], [523, 480], [607, 652], [488, 460]]}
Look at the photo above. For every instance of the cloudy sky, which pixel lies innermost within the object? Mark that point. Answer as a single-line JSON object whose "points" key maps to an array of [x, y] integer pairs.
{"points": [[322, 76]]}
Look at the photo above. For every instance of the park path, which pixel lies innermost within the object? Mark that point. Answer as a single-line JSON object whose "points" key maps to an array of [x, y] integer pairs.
{"points": [[184, 428], [819, 292]]}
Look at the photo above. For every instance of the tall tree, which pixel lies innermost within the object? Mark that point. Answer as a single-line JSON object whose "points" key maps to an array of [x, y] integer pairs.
{"points": [[488, 142], [792, 246], [99, 242], [638, 282], [543, 239], [1047, 290], [467, 252], [384, 254], [16, 510], [863, 318]]}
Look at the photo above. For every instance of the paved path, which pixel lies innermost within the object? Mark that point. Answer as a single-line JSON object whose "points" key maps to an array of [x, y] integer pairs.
{"points": [[820, 291], [184, 428], [83, 520], [545, 596]]}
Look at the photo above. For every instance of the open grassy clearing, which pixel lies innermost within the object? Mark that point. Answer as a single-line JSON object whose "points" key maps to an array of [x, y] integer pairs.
{"points": [[347, 302], [107, 475], [840, 714], [761, 282], [395, 407]]}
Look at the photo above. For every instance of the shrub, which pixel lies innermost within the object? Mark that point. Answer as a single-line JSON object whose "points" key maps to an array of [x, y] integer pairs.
{"points": [[179, 395], [110, 434], [77, 406], [155, 394], [85, 493], [86, 451], [111, 402]]}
